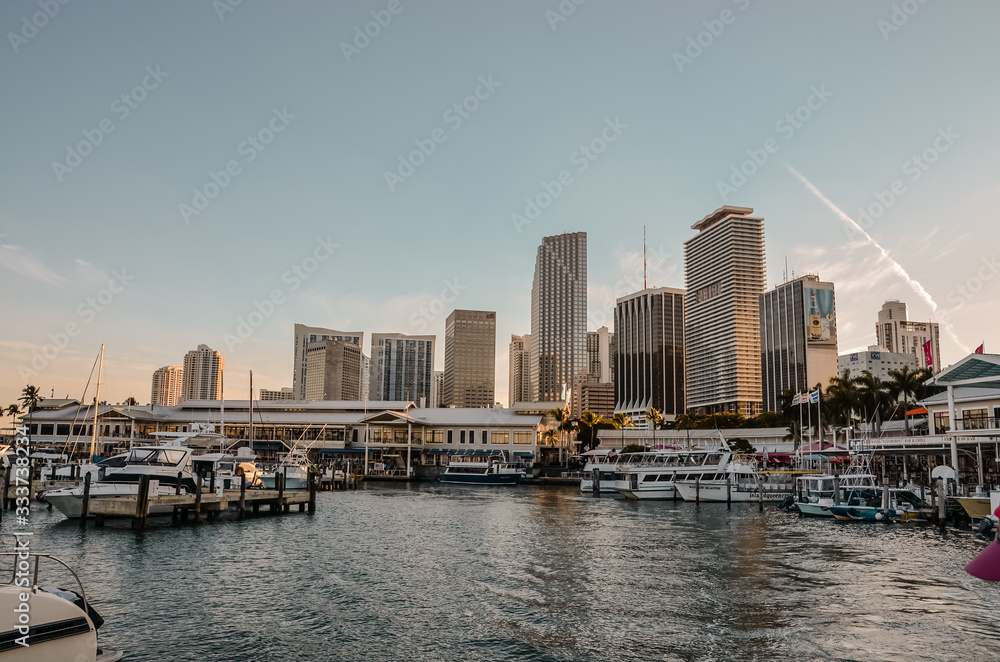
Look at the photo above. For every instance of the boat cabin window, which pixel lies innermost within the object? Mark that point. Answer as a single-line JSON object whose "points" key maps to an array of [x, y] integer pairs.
{"points": [[160, 456], [713, 458]]}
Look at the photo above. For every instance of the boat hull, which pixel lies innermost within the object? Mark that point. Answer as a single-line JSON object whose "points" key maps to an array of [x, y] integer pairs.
{"points": [[660, 493], [476, 479], [291, 483], [975, 507], [70, 501], [814, 509]]}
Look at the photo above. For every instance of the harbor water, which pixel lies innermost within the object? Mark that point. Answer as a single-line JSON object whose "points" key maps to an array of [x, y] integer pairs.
{"points": [[432, 572]]}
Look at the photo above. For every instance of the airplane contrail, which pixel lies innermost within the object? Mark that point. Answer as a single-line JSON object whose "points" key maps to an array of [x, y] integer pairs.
{"points": [[896, 266]]}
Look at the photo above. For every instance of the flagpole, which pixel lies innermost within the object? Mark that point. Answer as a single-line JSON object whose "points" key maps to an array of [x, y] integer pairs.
{"points": [[819, 414], [799, 396]]}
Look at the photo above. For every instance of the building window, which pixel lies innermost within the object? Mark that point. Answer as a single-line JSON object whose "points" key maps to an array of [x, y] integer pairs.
{"points": [[461, 436], [472, 436], [974, 419], [450, 440], [941, 423], [435, 436], [47, 428], [485, 437], [521, 437], [62, 429], [501, 437]]}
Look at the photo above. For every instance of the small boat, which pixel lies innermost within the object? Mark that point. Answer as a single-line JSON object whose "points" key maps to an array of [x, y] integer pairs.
{"points": [[295, 467], [229, 468], [598, 475], [479, 472], [867, 504], [976, 505], [815, 494], [61, 625]]}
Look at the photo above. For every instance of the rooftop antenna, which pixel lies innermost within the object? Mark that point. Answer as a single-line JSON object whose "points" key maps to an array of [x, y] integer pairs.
{"points": [[644, 286], [786, 268]]}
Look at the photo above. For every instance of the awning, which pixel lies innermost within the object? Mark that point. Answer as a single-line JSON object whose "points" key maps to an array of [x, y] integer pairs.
{"points": [[266, 446], [523, 454], [919, 411]]}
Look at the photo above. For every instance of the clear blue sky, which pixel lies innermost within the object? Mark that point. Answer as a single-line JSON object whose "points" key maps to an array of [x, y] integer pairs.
{"points": [[198, 86]]}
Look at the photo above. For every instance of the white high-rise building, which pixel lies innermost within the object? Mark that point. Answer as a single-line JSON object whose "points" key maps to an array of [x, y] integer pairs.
{"points": [[310, 334], [519, 369], [202, 378], [724, 266], [402, 367], [558, 316], [167, 382], [897, 334]]}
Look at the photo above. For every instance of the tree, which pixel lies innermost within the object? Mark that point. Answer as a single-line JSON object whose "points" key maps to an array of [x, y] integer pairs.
{"points": [[587, 428], [741, 446], [30, 398], [132, 402], [655, 417], [843, 400], [564, 424], [872, 397], [622, 420]]}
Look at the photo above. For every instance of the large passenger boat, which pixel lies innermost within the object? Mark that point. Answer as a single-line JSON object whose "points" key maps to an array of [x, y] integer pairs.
{"points": [[481, 472], [598, 475], [652, 474]]}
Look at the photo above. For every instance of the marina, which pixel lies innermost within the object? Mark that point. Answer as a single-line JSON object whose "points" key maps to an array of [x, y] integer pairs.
{"points": [[460, 573]]}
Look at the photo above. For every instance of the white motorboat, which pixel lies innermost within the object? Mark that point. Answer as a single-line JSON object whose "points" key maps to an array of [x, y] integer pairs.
{"points": [[52, 623], [651, 474], [163, 464], [295, 467], [479, 472], [229, 469], [599, 469], [814, 495]]}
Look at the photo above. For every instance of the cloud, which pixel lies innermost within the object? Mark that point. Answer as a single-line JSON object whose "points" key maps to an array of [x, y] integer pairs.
{"points": [[23, 262]]}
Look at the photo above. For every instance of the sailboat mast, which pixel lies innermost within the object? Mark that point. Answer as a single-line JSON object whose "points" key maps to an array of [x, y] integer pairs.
{"points": [[97, 402], [222, 413], [251, 411]]}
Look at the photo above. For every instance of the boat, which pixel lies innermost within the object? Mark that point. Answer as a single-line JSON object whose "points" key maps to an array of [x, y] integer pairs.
{"points": [[61, 624], [493, 471], [871, 505], [652, 474], [295, 467], [229, 469], [598, 475], [164, 464], [741, 482], [976, 505], [815, 494]]}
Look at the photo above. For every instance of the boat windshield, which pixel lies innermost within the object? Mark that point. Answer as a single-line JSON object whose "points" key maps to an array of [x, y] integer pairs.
{"points": [[156, 456]]}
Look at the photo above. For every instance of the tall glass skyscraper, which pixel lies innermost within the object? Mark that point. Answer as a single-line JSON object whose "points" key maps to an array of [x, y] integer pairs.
{"points": [[558, 316], [724, 267], [401, 367], [470, 340]]}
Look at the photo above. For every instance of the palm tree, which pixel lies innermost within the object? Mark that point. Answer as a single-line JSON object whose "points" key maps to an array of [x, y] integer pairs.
{"points": [[12, 411], [29, 400], [622, 420], [587, 428], [842, 399], [563, 424], [654, 416], [903, 386], [873, 397]]}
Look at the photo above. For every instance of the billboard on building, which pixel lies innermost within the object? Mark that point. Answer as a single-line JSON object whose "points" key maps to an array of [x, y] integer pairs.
{"points": [[821, 316]]}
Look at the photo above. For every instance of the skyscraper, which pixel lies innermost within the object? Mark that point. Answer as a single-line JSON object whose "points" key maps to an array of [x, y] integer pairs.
{"points": [[470, 339], [724, 265], [166, 390], [649, 353], [333, 370], [309, 334], [600, 356], [519, 369], [202, 374], [896, 333], [402, 367], [558, 316], [798, 329]]}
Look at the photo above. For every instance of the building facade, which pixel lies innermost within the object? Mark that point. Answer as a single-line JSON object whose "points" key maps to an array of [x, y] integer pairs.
{"points": [[202, 377], [470, 340], [896, 333], [876, 361], [268, 395], [310, 334], [437, 386], [167, 383], [558, 316], [798, 335], [601, 355], [333, 370], [402, 366], [649, 353], [724, 266], [519, 369]]}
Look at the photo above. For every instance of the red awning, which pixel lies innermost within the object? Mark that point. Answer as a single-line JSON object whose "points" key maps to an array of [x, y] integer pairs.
{"points": [[919, 411]]}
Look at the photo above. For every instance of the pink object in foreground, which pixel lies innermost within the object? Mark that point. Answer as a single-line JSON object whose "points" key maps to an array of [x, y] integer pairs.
{"points": [[986, 565]]}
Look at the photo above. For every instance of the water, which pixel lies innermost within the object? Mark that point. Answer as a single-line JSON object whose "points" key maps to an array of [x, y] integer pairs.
{"points": [[435, 572]]}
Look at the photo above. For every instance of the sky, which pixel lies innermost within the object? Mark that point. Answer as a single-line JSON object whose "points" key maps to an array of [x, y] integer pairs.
{"points": [[214, 172]]}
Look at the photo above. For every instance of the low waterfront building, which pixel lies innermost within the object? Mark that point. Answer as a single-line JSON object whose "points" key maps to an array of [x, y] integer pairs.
{"points": [[284, 394], [328, 429]]}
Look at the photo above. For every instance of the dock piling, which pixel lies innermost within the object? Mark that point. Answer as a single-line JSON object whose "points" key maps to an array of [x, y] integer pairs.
{"points": [[85, 507], [243, 497], [197, 498], [697, 489], [313, 484], [279, 482], [941, 502], [729, 492], [141, 505]]}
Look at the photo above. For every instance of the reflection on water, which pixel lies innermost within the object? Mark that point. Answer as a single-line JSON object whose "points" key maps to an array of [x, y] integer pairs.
{"points": [[444, 572]]}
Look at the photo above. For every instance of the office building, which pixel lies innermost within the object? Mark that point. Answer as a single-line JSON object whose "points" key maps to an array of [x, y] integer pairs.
{"points": [[310, 334], [470, 339], [519, 369], [202, 375], [167, 382], [724, 265], [649, 353], [558, 316], [894, 332], [402, 367], [268, 395], [876, 361], [798, 335], [600, 355], [333, 370], [437, 386]]}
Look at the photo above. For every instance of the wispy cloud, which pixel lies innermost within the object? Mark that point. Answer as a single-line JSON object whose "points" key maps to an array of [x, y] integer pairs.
{"points": [[23, 262]]}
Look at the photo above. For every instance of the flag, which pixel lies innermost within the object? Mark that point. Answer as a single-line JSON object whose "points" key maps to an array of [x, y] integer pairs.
{"points": [[765, 451], [814, 396], [927, 353], [981, 349]]}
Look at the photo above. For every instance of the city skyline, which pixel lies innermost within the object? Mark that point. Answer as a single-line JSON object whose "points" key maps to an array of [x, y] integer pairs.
{"points": [[75, 247]]}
